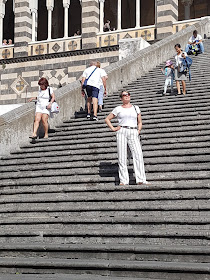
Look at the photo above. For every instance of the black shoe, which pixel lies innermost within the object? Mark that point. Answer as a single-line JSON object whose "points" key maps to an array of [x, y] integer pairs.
{"points": [[88, 116], [95, 118]]}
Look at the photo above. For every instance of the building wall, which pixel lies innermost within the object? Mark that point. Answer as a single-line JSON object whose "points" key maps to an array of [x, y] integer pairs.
{"points": [[19, 77]]}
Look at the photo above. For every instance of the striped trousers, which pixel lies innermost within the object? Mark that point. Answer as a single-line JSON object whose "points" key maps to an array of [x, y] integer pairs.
{"points": [[129, 137]]}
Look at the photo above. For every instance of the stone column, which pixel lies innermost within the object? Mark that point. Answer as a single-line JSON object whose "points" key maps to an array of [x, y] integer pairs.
{"points": [[166, 14], [50, 7], [34, 10], [119, 14], [90, 23], [138, 13], [101, 14], [187, 4], [23, 27], [2, 14], [66, 4]]}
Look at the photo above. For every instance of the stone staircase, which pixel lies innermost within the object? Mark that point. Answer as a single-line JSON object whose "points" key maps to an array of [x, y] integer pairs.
{"points": [[63, 216]]}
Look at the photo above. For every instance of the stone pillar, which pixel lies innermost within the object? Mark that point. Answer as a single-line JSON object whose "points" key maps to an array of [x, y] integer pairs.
{"points": [[119, 14], [23, 27], [187, 4], [101, 14], [66, 4], [2, 14], [166, 14], [90, 23], [138, 13], [34, 10], [50, 7]]}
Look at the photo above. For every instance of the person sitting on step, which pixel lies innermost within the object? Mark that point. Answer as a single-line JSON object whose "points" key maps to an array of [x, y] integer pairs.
{"points": [[169, 74], [43, 106], [195, 41]]}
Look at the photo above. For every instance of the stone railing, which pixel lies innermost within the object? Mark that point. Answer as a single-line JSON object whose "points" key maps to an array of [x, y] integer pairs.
{"points": [[112, 38], [54, 46], [16, 126]]}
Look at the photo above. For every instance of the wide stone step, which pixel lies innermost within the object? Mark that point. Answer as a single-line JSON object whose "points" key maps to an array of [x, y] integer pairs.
{"points": [[134, 205], [52, 189], [112, 194], [192, 254], [89, 177], [59, 276], [109, 268], [108, 169], [202, 137], [100, 147]]}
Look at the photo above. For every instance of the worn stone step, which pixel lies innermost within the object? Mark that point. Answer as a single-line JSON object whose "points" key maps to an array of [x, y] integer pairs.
{"points": [[135, 205], [202, 137], [59, 276], [87, 177], [101, 147], [91, 196], [137, 252], [191, 185], [108, 169], [108, 268], [167, 220]]}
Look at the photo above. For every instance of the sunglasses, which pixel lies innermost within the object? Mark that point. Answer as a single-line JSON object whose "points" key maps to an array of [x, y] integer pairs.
{"points": [[126, 94]]}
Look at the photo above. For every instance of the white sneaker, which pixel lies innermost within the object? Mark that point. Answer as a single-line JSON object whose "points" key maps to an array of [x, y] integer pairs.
{"points": [[88, 116]]}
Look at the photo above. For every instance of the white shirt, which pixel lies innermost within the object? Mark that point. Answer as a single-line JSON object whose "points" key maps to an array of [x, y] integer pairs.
{"points": [[126, 116], [193, 39], [179, 61], [95, 79], [43, 97]]}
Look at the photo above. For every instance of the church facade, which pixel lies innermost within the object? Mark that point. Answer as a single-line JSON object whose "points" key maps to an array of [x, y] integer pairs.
{"points": [[58, 38]]}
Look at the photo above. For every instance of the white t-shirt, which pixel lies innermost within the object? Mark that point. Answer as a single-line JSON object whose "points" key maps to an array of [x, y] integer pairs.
{"points": [[95, 79], [193, 39], [43, 97], [179, 61], [126, 116]]}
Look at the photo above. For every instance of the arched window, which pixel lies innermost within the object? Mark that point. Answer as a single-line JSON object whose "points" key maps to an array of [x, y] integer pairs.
{"points": [[58, 20], [75, 14], [110, 12], [128, 14], [42, 21], [8, 29], [147, 12]]}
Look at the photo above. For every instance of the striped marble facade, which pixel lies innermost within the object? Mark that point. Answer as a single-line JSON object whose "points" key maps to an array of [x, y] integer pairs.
{"points": [[23, 28], [167, 13], [90, 23]]}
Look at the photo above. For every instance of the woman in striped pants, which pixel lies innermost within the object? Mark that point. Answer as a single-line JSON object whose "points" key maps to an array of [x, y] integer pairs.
{"points": [[128, 130]]}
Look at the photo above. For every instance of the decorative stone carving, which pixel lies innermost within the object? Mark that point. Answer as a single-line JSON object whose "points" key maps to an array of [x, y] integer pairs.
{"points": [[19, 85]]}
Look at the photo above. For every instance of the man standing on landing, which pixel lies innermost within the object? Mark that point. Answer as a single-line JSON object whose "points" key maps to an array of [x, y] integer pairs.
{"points": [[94, 76]]}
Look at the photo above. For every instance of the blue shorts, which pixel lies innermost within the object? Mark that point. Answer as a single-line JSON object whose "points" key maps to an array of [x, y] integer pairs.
{"points": [[92, 91]]}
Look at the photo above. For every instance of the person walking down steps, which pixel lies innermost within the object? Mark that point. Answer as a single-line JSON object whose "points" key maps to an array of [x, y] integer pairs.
{"points": [[43, 106], [128, 130], [168, 71]]}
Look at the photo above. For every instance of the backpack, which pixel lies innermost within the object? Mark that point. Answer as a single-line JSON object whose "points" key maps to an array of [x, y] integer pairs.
{"points": [[187, 62]]}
